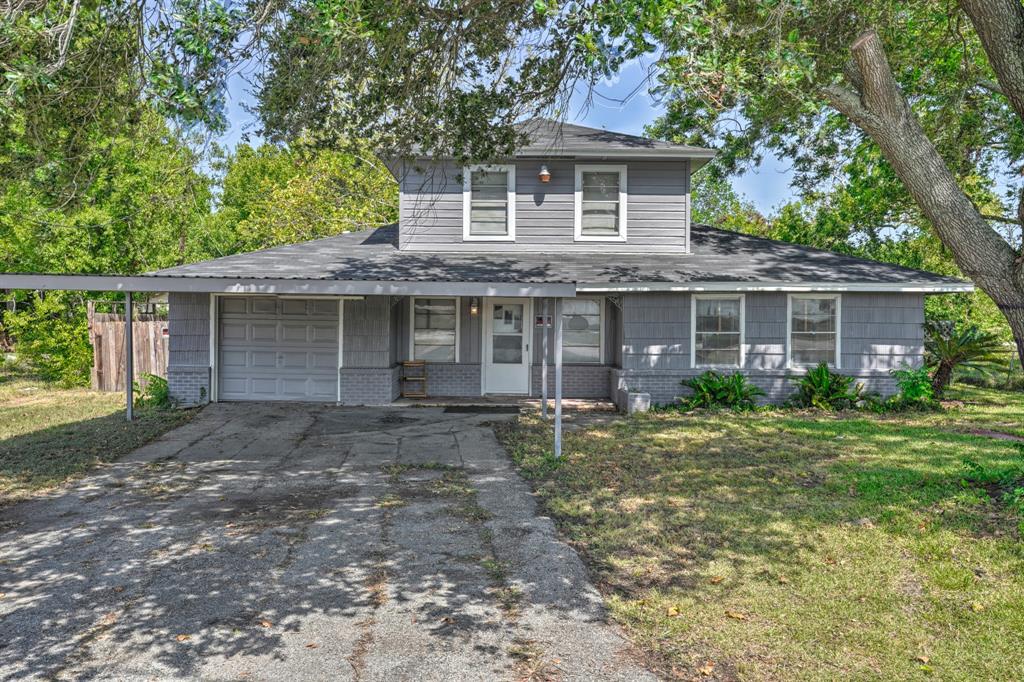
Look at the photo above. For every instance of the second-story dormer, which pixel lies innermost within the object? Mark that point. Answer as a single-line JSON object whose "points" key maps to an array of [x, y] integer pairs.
{"points": [[570, 189]]}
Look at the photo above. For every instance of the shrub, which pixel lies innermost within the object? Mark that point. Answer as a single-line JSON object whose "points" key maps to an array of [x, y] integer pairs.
{"points": [[949, 347], [155, 393], [915, 384], [824, 389], [53, 337], [714, 390]]}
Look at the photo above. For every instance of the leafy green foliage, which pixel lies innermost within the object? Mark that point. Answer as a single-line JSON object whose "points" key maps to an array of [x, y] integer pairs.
{"points": [[714, 390], [152, 391], [53, 337], [823, 389], [914, 383], [271, 196], [949, 346]]}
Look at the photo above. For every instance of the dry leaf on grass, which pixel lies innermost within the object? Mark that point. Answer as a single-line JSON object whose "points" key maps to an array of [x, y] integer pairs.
{"points": [[715, 579], [736, 615], [707, 669]]}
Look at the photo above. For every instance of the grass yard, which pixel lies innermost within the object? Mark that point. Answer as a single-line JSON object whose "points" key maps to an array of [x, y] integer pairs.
{"points": [[798, 545], [50, 434]]}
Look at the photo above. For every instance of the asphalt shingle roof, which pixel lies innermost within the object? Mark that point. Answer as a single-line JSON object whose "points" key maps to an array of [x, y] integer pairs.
{"points": [[553, 138], [716, 256]]}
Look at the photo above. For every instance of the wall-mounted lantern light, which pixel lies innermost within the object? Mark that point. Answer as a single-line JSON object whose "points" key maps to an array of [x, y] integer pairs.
{"points": [[544, 175], [474, 306]]}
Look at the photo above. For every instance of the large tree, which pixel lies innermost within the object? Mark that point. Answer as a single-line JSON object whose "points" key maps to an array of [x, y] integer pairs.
{"points": [[936, 85]]}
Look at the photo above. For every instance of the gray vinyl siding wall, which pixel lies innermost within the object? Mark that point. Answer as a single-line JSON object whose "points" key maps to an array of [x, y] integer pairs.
{"points": [[657, 209], [188, 365], [879, 332], [367, 333]]}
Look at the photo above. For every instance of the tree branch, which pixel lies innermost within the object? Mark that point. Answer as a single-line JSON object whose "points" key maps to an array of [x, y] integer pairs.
{"points": [[1000, 27]]}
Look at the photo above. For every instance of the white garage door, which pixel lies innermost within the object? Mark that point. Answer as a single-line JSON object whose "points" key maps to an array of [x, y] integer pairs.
{"points": [[277, 349]]}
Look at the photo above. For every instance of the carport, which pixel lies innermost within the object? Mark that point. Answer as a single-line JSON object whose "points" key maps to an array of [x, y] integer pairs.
{"points": [[326, 293]]}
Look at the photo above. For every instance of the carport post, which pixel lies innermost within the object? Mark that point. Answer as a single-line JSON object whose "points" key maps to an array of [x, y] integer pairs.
{"points": [[558, 377], [129, 355], [544, 328]]}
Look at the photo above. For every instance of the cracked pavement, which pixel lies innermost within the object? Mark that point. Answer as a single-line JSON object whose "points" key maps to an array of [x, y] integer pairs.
{"points": [[276, 541]]}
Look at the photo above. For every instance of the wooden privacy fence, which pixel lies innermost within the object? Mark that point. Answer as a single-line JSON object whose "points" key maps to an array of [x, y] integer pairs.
{"points": [[106, 333]]}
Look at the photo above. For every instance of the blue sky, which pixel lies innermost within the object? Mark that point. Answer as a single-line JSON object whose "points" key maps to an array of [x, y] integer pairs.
{"points": [[619, 104]]}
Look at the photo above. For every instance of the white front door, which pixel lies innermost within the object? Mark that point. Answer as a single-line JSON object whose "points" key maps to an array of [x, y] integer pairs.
{"points": [[507, 345]]}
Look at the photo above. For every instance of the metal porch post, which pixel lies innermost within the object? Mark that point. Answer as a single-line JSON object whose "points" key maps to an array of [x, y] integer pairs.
{"points": [[558, 377], [544, 329], [129, 355]]}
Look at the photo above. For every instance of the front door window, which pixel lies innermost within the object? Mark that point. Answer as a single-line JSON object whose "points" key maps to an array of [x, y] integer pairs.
{"points": [[507, 334]]}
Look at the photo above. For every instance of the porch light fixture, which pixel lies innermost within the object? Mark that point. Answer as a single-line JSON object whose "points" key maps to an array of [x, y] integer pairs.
{"points": [[544, 175], [474, 306]]}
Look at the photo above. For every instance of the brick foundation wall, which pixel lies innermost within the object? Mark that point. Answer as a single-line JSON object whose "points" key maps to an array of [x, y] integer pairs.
{"points": [[665, 386], [578, 381], [453, 380], [369, 385], [188, 385]]}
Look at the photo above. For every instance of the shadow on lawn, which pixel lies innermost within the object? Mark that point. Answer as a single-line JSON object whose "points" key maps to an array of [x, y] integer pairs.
{"points": [[47, 457], [653, 510]]}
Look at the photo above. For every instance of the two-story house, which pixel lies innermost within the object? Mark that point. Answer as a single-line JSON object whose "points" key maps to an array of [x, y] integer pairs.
{"points": [[577, 251]]}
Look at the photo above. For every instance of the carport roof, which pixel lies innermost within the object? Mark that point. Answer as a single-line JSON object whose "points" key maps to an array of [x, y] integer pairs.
{"points": [[369, 262]]}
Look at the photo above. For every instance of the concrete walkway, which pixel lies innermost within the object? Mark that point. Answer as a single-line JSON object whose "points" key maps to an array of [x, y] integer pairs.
{"points": [[273, 542]]}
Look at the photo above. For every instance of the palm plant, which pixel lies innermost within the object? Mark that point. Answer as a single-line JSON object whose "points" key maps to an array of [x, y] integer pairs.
{"points": [[948, 347]]}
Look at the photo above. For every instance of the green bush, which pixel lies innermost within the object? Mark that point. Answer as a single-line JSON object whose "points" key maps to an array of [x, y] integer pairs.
{"points": [[823, 389], [714, 390], [154, 394], [53, 337], [915, 384]]}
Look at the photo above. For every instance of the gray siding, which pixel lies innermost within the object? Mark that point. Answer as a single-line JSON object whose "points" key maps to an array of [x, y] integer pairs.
{"points": [[656, 331], [879, 332], [367, 333], [188, 365], [189, 329], [657, 209], [882, 331]]}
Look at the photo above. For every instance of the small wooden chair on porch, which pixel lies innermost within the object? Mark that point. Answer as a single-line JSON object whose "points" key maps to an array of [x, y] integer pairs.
{"points": [[414, 379]]}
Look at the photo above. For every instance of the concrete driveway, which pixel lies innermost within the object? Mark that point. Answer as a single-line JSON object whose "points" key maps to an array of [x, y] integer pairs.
{"points": [[301, 542]]}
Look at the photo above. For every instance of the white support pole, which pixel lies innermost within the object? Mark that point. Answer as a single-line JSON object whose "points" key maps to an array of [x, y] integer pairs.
{"points": [[129, 356], [544, 330], [558, 377]]}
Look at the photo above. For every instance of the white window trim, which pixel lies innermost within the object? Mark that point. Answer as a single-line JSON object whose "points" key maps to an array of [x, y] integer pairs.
{"points": [[467, 203], [578, 209], [601, 324], [693, 329], [412, 323], [789, 329]]}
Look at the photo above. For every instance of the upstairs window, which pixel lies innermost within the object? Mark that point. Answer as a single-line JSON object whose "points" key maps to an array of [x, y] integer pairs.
{"points": [[717, 323], [813, 330], [435, 329], [489, 203], [581, 330], [600, 203]]}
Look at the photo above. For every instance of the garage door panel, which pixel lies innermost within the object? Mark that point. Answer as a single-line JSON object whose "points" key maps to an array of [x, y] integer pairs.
{"points": [[277, 349], [234, 358], [233, 331], [324, 333], [263, 306], [294, 332], [263, 332], [233, 306]]}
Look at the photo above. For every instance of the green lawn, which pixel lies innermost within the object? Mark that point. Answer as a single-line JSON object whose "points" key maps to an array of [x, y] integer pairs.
{"points": [[49, 434], [801, 546]]}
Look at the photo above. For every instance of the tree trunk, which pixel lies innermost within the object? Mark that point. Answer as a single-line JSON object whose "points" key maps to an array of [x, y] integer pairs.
{"points": [[943, 375], [878, 107]]}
